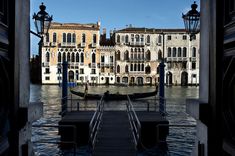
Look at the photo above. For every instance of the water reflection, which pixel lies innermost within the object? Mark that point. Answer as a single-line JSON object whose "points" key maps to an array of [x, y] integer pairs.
{"points": [[180, 140]]}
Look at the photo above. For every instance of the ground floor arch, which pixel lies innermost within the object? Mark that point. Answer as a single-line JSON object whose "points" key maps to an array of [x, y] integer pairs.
{"points": [[184, 78], [169, 78], [140, 81], [71, 76]]}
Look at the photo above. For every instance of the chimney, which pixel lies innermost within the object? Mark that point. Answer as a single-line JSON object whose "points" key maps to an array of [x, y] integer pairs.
{"points": [[103, 36]]}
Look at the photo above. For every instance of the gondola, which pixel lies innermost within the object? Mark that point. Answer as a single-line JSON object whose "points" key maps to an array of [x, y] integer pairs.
{"points": [[117, 96]]}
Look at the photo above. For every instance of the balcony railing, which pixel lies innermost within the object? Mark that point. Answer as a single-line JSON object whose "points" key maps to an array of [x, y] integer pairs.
{"points": [[193, 59], [45, 64], [81, 64], [68, 44], [137, 43], [83, 44], [93, 45], [46, 44], [93, 65], [138, 59], [53, 44]]}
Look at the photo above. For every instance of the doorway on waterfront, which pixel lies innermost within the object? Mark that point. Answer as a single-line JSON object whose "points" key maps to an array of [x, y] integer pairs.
{"points": [[169, 78], [107, 80], [71, 76], [184, 78], [140, 81]]}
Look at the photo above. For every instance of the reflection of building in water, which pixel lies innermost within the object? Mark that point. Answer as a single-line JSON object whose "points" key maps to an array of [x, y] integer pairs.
{"points": [[130, 56]]}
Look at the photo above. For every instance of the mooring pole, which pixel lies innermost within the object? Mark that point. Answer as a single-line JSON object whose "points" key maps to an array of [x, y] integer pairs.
{"points": [[161, 88], [64, 88]]}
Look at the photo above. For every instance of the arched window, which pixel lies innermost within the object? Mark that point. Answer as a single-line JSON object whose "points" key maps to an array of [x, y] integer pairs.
{"points": [[138, 67], [118, 55], [47, 37], [118, 38], [94, 38], [126, 39], [73, 58], [135, 67], [137, 38], [47, 57], [77, 57], [148, 55], [68, 57], [111, 59], [126, 55], [147, 70], [142, 55], [179, 52], [102, 59], [159, 54], [126, 69], [159, 39], [174, 52], [142, 38], [74, 38], [59, 57], [142, 67], [131, 67], [148, 39], [64, 37], [93, 58], [132, 55], [118, 69], [64, 56], [194, 52], [169, 52], [83, 38], [184, 52], [131, 49], [54, 37], [82, 57], [69, 37]]}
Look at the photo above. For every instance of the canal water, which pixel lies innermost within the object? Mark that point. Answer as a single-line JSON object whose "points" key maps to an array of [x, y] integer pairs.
{"points": [[180, 140]]}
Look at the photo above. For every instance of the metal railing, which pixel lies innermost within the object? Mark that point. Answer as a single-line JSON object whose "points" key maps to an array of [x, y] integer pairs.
{"points": [[134, 122], [95, 122]]}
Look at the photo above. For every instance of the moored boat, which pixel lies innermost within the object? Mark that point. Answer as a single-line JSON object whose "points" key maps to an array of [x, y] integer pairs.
{"points": [[116, 96]]}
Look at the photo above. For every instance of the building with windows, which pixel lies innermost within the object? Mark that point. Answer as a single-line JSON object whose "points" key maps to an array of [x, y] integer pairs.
{"points": [[75, 43], [140, 50]]}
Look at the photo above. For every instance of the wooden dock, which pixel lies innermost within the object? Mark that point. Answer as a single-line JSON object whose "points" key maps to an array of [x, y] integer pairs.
{"points": [[115, 136]]}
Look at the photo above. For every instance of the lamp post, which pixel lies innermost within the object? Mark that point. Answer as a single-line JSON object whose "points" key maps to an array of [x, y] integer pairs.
{"points": [[192, 21], [42, 22]]}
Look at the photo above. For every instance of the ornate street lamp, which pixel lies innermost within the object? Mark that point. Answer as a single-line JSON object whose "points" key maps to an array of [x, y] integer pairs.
{"points": [[42, 20], [192, 21]]}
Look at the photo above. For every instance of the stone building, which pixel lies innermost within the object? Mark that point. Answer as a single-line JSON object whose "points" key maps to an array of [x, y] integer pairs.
{"points": [[75, 43], [140, 50]]}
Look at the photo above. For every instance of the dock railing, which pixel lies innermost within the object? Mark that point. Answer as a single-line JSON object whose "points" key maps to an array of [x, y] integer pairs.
{"points": [[134, 121], [95, 122]]}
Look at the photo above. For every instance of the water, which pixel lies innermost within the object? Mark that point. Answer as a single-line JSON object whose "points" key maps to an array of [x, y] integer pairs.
{"points": [[180, 140]]}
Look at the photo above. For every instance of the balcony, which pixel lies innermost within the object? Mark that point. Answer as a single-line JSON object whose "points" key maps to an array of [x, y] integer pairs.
{"points": [[193, 59], [83, 44], [45, 64], [53, 44], [46, 44], [184, 59], [137, 43], [68, 44], [147, 43], [93, 65], [82, 64], [93, 45]]}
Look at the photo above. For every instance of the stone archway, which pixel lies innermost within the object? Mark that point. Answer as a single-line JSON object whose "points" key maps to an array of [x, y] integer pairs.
{"points": [[169, 78], [184, 78]]}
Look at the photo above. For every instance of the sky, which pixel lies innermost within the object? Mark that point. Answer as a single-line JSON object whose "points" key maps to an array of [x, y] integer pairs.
{"points": [[114, 14]]}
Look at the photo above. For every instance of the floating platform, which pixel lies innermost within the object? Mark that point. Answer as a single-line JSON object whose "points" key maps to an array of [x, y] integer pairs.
{"points": [[154, 127]]}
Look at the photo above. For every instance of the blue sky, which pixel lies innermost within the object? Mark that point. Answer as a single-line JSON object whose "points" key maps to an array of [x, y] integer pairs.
{"points": [[114, 13]]}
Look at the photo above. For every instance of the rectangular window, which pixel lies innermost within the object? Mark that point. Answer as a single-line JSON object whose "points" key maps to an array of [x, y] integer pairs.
{"points": [[93, 71], [81, 71], [193, 65], [184, 37], [47, 78], [47, 71], [184, 65], [169, 37], [59, 78]]}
